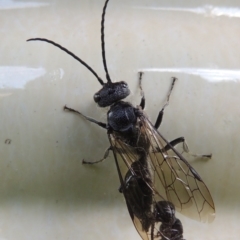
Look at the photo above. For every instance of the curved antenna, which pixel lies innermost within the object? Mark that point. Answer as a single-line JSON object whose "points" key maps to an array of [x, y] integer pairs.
{"points": [[103, 43], [71, 54]]}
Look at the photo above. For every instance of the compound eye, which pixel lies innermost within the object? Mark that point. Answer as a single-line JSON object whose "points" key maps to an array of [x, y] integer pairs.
{"points": [[124, 85], [96, 97]]}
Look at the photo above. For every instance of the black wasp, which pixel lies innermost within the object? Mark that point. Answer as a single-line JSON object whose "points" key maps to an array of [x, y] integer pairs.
{"points": [[154, 176]]}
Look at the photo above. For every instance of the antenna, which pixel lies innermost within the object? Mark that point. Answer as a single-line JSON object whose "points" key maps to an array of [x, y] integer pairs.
{"points": [[71, 54], [103, 43]]}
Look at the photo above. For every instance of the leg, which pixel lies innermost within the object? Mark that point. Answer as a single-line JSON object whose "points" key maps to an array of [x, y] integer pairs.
{"points": [[173, 143], [98, 161], [142, 103], [103, 125], [160, 114], [182, 140]]}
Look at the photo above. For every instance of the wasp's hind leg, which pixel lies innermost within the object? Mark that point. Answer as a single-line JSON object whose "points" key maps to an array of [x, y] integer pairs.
{"points": [[160, 114], [182, 140]]}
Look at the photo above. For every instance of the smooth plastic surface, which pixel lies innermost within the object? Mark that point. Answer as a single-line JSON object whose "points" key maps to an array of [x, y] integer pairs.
{"points": [[45, 191]]}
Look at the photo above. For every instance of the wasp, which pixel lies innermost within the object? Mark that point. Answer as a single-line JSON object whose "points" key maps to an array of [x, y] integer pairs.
{"points": [[154, 177]]}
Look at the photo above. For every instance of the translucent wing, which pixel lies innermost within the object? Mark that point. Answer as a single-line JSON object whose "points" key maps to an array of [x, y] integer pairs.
{"points": [[149, 174], [175, 179], [138, 194]]}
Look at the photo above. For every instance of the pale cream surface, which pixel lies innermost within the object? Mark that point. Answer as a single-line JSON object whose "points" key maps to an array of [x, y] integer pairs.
{"points": [[45, 191]]}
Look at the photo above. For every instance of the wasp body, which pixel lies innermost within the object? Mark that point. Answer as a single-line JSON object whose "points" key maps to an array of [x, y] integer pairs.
{"points": [[151, 171]]}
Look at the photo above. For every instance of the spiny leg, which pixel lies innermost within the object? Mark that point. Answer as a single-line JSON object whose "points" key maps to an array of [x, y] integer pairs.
{"points": [[106, 154], [170, 91], [182, 140], [142, 103], [103, 125], [186, 150], [160, 117], [160, 114]]}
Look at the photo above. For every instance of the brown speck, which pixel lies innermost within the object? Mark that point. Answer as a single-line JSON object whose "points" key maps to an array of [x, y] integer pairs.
{"points": [[8, 141]]}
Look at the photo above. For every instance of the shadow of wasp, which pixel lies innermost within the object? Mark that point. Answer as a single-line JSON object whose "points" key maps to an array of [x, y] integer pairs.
{"points": [[155, 178]]}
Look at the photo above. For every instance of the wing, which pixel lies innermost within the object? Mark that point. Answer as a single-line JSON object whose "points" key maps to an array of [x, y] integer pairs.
{"points": [[149, 174], [136, 188], [175, 177]]}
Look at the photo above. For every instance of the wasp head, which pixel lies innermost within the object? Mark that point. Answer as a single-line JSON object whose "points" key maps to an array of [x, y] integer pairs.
{"points": [[111, 93]]}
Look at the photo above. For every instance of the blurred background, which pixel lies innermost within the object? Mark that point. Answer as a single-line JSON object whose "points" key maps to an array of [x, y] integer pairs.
{"points": [[45, 191]]}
